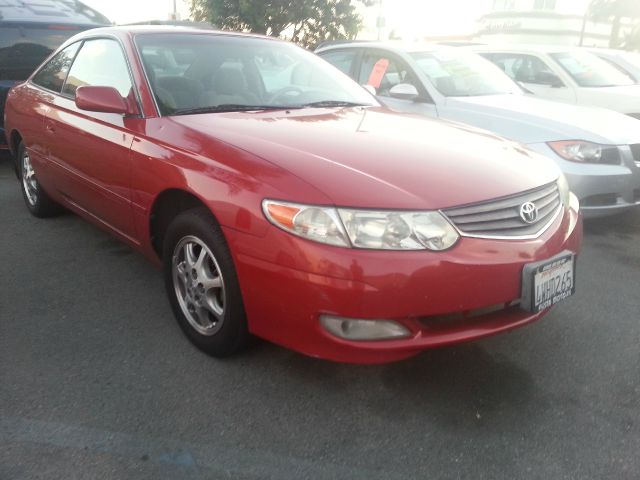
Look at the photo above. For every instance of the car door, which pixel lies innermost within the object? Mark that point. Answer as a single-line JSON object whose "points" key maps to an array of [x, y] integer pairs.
{"points": [[535, 74], [45, 86], [93, 149], [383, 71]]}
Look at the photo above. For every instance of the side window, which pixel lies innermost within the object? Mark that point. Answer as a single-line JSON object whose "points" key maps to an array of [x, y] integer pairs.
{"points": [[99, 63], [53, 74], [384, 72], [524, 68], [342, 59]]}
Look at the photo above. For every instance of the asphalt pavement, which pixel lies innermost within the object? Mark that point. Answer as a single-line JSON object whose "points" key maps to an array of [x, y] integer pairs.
{"points": [[97, 381]]}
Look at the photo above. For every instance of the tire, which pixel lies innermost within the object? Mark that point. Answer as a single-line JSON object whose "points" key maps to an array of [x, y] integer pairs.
{"points": [[36, 199], [202, 284]]}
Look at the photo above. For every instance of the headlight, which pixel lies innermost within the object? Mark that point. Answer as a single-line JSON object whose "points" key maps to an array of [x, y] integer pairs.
{"points": [[578, 150], [563, 188], [398, 230], [320, 224], [380, 230]]}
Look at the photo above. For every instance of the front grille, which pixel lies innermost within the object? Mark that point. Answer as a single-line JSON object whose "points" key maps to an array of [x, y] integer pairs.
{"points": [[451, 319], [635, 149], [501, 217]]}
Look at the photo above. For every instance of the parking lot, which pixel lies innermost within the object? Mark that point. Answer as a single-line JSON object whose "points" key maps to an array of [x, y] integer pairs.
{"points": [[97, 380]]}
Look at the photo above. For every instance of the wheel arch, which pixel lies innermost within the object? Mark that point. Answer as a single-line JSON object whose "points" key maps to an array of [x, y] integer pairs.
{"points": [[14, 142], [167, 205]]}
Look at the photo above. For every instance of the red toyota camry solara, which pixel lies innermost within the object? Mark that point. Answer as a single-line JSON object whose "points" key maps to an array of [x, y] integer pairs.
{"points": [[283, 201]]}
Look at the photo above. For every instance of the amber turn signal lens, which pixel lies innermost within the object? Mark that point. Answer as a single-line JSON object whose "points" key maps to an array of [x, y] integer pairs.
{"points": [[282, 214]]}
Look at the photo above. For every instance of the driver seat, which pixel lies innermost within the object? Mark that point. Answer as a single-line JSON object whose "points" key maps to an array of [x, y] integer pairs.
{"points": [[229, 85]]}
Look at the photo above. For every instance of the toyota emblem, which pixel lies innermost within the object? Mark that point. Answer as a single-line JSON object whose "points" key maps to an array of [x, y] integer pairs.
{"points": [[528, 212]]}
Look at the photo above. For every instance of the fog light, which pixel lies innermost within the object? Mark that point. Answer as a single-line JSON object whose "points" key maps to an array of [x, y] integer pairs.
{"points": [[352, 329]]}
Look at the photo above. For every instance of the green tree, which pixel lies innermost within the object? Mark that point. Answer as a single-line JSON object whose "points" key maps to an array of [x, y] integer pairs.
{"points": [[615, 11], [309, 22]]}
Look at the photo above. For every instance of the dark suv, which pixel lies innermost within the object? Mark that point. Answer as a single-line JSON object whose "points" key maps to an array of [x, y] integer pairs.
{"points": [[30, 30]]}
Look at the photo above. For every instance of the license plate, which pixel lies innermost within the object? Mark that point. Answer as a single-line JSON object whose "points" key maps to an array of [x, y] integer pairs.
{"points": [[548, 282]]}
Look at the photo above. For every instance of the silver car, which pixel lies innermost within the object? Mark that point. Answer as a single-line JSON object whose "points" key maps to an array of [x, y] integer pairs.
{"points": [[598, 150]]}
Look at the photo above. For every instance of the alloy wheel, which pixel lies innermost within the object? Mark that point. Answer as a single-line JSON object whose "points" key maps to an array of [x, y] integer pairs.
{"points": [[198, 285], [29, 182]]}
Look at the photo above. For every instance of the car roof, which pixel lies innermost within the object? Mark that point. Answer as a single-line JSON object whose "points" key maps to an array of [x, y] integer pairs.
{"points": [[132, 30], [522, 47], [50, 11], [174, 23], [396, 46]]}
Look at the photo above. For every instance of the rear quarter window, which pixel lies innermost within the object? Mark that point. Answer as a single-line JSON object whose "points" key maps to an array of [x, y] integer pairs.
{"points": [[53, 74]]}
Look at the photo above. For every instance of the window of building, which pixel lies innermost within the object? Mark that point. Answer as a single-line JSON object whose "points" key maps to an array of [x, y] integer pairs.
{"points": [[544, 5]]}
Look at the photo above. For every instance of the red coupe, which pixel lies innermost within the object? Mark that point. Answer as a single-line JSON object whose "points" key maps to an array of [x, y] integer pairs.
{"points": [[284, 201]]}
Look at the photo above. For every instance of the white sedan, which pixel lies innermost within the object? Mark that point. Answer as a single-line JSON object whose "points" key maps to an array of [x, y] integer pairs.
{"points": [[566, 74]]}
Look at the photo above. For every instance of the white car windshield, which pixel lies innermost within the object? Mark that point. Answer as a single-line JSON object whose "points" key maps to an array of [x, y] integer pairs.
{"points": [[590, 71], [200, 73], [632, 57], [463, 74]]}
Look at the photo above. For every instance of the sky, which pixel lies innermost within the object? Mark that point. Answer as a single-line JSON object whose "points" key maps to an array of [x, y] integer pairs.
{"points": [[129, 11]]}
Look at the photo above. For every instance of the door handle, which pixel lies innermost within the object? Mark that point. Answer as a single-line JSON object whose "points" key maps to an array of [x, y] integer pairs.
{"points": [[49, 127]]}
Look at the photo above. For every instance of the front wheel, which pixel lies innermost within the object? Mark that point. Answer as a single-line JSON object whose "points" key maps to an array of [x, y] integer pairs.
{"points": [[36, 199], [202, 284]]}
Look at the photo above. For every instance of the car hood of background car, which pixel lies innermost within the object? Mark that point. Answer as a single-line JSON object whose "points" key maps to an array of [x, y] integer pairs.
{"points": [[367, 157], [532, 120]]}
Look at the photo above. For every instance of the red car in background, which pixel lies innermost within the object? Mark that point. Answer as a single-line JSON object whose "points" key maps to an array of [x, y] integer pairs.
{"points": [[283, 201]]}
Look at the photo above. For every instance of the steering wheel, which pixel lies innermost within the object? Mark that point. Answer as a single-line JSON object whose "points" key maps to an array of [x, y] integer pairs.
{"points": [[285, 93]]}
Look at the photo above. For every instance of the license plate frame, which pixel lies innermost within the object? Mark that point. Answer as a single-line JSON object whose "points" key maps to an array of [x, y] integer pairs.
{"points": [[551, 277]]}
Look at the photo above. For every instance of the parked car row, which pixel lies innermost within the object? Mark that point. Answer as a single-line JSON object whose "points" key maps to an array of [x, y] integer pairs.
{"points": [[597, 149], [283, 200]]}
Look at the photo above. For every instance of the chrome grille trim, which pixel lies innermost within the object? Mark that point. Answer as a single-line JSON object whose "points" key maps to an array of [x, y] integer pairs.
{"points": [[500, 218]]}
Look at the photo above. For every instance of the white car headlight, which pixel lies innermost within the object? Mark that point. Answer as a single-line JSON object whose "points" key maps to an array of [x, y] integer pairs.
{"points": [[578, 150], [378, 230], [563, 188]]}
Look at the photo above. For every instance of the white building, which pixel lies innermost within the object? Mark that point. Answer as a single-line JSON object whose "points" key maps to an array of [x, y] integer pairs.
{"points": [[543, 21]]}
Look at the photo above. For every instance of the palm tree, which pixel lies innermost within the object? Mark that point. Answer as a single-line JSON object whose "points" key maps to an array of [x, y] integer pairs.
{"points": [[615, 11]]}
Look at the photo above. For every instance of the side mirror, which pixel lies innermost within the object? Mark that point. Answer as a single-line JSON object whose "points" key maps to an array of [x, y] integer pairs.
{"points": [[548, 78], [101, 99], [404, 91], [371, 89]]}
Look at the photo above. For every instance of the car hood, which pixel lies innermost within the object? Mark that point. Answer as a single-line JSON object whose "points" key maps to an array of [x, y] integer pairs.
{"points": [[625, 99], [369, 157], [531, 120]]}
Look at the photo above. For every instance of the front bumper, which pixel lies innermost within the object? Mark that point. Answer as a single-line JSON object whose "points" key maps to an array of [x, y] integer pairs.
{"points": [[602, 189], [288, 282]]}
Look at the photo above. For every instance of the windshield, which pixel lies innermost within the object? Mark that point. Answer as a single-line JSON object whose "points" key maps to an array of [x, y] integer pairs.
{"points": [[632, 57], [25, 46], [462, 74], [590, 71], [196, 73]]}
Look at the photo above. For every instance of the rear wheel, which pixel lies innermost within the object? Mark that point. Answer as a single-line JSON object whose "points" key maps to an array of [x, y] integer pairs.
{"points": [[202, 284], [36, 199]]}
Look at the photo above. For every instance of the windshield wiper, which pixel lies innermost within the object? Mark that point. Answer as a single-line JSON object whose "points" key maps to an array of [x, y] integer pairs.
{"points": [[333, 103], [231, 107]]}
